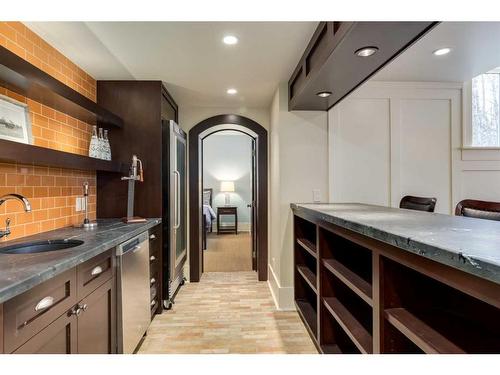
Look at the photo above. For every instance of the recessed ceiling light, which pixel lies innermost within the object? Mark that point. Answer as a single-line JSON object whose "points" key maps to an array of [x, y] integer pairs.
{"points": [[366, 51], [230, 39], [232, 91], [442, 51], [324, 94]]}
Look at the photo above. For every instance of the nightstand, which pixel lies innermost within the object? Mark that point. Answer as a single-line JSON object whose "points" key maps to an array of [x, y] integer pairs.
{"points": [[227, 210]]}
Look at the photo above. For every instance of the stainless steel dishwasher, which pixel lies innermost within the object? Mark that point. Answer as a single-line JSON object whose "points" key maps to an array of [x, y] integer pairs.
{"points": [[133, 292]]}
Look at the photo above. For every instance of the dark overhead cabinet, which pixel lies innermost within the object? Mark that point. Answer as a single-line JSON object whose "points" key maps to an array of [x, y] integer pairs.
{"points": [[330, 63]]}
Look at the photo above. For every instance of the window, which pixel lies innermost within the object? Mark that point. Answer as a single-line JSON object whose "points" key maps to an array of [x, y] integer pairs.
{"points": [[486, 109]]}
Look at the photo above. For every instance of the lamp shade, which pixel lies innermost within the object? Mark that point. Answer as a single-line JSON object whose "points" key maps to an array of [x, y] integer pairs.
{"points": [[227, 186]]}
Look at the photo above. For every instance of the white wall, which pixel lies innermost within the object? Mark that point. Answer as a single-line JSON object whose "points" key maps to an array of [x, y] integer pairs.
{"points": [[228, 157], [299, 154], [393, 139]]}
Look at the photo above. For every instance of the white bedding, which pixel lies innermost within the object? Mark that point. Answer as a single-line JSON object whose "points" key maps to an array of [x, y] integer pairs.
{"points": [[208, 214]]}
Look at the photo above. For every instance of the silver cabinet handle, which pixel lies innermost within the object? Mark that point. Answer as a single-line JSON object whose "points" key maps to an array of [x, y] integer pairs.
{"points": [[152, 258], [44, 303], [96, 271], [152, 237], [84, 307], [153, 280], [153, 302], [177, 221]]}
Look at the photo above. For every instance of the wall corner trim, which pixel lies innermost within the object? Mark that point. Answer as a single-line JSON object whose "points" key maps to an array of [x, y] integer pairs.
{"points": [[282, 296]]}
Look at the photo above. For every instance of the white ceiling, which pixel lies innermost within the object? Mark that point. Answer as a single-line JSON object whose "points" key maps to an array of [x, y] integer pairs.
{"points": [[475, 50], [189, 56]]}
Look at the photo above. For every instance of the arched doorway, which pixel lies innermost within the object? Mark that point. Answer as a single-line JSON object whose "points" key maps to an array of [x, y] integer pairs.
{"points": [[195, 138]]}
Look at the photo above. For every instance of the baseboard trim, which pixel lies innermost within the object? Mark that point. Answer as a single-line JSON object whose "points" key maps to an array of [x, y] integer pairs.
{"points": [[282, 296]]}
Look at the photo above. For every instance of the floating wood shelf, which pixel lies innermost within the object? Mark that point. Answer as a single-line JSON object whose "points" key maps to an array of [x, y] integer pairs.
{"points": [[421, 334], [14, 152], [308, 246], [308, 315], [308, 276], [356, 332], [20, 76], [359, 286]]}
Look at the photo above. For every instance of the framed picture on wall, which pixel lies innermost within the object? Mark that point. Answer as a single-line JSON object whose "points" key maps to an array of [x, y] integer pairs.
{"points": [[15, 124]]}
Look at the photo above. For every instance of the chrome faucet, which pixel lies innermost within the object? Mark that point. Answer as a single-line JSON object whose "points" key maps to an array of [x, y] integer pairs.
{"points": [[19, 197]]}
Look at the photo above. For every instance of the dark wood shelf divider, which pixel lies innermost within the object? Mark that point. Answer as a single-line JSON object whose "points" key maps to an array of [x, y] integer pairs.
{"points": [[308, 246], [417, 331], [308, 276], [359, 286], [20, 76], [356, 332], [14, 152]]}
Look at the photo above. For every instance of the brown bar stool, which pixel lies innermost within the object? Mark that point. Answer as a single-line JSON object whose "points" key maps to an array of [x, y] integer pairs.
{"points": [[418, 203], [478, 209]]}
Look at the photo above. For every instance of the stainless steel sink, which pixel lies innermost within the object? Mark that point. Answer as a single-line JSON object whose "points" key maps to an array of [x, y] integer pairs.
{"points": [[40, 246]]}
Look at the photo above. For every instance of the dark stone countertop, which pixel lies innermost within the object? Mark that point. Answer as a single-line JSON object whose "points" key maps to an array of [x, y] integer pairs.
{"points": [[471, 245], [21, 272]]}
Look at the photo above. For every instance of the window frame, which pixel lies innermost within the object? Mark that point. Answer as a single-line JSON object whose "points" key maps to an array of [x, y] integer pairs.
{"points": [[467, 117]]}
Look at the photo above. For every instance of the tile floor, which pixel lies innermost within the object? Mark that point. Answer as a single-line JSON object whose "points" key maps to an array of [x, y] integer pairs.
{"points": [[227, 312]]}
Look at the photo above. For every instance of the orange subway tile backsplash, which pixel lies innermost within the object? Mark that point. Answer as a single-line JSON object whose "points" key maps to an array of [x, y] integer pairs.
{"points": [[52, 206], [51, 191]]}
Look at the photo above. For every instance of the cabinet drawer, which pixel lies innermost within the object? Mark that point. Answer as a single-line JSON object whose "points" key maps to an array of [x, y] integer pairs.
{"points": [[59, 337], [30, 312], [95, 272]]}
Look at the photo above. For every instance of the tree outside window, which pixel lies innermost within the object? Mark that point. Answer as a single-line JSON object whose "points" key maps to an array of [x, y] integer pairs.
{"points": [[486, 109]]}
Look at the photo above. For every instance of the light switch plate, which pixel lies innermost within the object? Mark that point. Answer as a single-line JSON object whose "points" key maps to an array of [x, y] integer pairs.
{"points": [[316, 195], [78, 204]]}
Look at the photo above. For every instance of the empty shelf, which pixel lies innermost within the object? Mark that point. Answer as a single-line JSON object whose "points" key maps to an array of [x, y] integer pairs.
{"points": [[307, 246], [351, 279], [308, 276], [356, 332], [308, 315], [421, 334]]}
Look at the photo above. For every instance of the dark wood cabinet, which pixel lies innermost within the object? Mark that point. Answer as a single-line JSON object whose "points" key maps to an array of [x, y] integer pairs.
{"points": [[142, 105], [74, 312], [155, 257], [60, 337], [229, 211], [330, 63], [356, 294], [97, 321]]}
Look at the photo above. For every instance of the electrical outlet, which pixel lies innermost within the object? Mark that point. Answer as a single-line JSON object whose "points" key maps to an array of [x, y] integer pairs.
{"points": [[316, 195], [78, 204]]}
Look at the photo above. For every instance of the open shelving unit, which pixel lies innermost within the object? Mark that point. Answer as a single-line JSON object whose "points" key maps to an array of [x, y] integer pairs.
{"points": [[14, 152], [20, 76], [306, 280], [359, 295]]}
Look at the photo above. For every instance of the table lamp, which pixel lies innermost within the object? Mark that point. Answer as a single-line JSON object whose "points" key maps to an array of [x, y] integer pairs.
{"points": [[227, 187]]}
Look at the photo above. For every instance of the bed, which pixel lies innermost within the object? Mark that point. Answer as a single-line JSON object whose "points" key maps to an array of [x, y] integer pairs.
{"points": [[208, 215]]}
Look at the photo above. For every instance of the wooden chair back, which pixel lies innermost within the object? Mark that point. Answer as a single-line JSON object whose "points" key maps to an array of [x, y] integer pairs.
{"points": [[418, 203]]}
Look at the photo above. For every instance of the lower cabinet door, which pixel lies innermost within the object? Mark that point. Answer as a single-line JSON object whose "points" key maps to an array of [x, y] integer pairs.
{"points": [[60, 337], [97, 321]]}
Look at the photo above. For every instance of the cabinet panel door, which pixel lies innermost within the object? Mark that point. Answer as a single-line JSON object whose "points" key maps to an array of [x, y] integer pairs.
{"points": [[57, 338], [97, 321]]}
